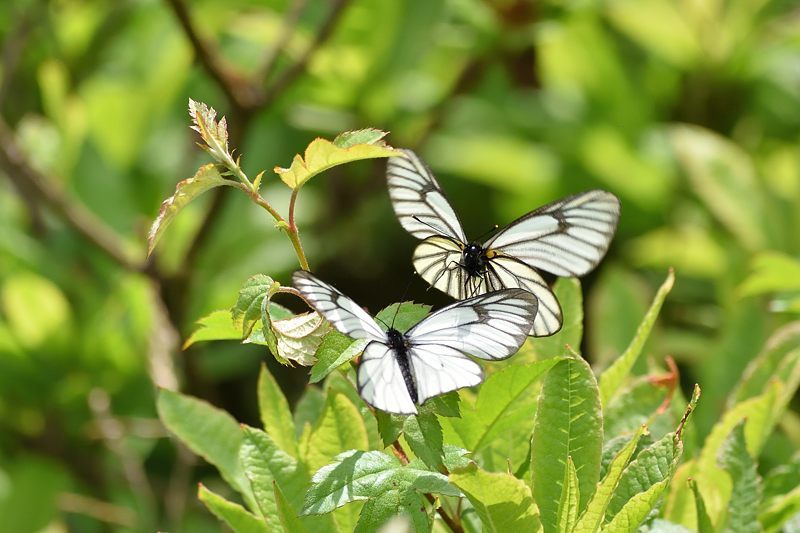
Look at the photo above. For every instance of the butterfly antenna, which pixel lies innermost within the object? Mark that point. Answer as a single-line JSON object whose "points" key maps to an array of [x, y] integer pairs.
{"points": [[437, 230], [402, 298], [493, 228]]}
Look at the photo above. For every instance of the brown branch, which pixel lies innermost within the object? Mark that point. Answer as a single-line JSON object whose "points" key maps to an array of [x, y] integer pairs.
{"points": [[236, 88], [288, 76], [14, 162], [290, 20]]}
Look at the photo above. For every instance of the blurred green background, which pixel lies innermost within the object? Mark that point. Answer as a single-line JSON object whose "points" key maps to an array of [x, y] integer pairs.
{"points": [[688, 110]]}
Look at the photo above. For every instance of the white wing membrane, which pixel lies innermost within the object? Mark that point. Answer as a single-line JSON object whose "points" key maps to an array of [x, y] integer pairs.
{"points": [[438, 261], [380, 381], [418, 199], [566, 238], [492, 326], [439, 369], [338, 309]]}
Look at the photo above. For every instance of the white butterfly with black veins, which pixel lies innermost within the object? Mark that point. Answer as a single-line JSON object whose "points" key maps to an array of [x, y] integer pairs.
{"points": [[568, 237], [399, 371]]}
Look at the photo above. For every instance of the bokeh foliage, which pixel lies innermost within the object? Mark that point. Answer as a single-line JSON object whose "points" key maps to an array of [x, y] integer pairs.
{"points": [[688, 111]]}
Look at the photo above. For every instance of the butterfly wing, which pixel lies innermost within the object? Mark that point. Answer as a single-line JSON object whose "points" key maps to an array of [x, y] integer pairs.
{"points": [[438, 369], [418, 200], [381, 383], [510, 272], [338, 309], [568, 237], [491, 326], [438, 261]]}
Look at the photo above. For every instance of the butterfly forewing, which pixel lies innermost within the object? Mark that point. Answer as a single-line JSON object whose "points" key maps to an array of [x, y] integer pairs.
{"points": [[338, 309], [566, 238], [418, 200]]}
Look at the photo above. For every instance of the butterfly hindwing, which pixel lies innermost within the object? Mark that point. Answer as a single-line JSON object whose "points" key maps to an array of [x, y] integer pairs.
{"points": [[381, 382], [418, 200]]}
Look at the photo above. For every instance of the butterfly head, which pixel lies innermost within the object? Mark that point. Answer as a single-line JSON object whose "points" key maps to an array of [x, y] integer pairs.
{"points": [[474, 259], [396, 340]]}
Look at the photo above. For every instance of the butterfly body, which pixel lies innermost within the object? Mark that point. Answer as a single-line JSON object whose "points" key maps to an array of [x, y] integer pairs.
{"points": [[399, 344], [567, 237], [400, 370]]}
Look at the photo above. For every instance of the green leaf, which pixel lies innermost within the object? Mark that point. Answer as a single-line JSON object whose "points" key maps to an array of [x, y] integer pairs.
{"points": [[448, 404], [287, 516], [339, 429], [502, 414], [356, 475], [407, 506], [402, 316], [780, 510], [592, 518], [209, 432], [722, 174], [390, 426], [568, 424], [503, 502], [206, 178], [771, 272], [275, 414], [742, 514], [215, 326], [704, 524], [637, 509], [308, 409], [246, 312], [322, 154], [233, 514], [568, 505], [35, 307], [424, 435], [614, 376], [636, 404], [569, 295], [335, 350], [775, 361]]}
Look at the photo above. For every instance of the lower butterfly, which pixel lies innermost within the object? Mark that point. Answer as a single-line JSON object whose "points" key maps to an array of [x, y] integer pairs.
{"points": [[399, 371]]}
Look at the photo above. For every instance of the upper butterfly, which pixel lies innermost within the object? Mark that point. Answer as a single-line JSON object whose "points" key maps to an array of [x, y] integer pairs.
{"points": [[568, 237], [399, 371]]}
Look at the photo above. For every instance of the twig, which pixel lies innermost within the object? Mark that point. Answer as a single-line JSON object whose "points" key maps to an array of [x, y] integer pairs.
{"points": [[14, 162], [110, 513], [289, 23]]}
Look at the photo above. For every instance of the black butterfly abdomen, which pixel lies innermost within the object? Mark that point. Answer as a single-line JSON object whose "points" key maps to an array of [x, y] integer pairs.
{"points": [[474, 259], [398, 343]]}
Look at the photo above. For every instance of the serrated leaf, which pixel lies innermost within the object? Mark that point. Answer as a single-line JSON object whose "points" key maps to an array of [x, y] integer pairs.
{"points": [[407, 508], [233, 514], [503, 502], [742, 513], [275, 413], [213, 133], [266, 465], [614, 376], [402, 316], [335, 350], [636, 509], [424, 435], [205, 179], [592, 518], [448, 404], [502, 416], [568, 423], [356, 475], [390, 426], [246, 312], [215, 326], [568, 506], [339, 429], [322, 155], [209, 432], [704, 524]]}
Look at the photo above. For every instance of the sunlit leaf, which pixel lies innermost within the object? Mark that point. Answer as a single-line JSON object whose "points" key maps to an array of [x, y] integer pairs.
{"points": [[340, 428], [568, 506], [275, 413], [247, 309], [772, 272], [322, 154], [742, 514], [206, 178], [233, 514], [213, 133], [335, 350]]}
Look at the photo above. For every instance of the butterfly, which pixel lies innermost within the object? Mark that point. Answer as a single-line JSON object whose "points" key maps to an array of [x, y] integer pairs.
{"points": [[399, 371], [568, 237]]}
